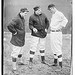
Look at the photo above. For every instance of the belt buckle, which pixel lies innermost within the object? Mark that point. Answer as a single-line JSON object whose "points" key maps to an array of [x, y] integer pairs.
{"points": [[58, 30], [55, 30]]}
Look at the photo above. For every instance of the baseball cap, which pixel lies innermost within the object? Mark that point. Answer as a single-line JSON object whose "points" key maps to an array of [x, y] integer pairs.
{"points": [[36, 8], [51, 5], [24, 10]]}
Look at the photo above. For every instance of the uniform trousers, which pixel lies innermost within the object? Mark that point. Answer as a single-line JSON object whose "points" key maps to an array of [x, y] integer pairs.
{"points": [[56, 45], [36, 41], [16, 51]]}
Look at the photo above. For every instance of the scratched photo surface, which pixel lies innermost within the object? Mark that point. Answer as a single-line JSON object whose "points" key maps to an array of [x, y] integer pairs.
{"points": [[10, 10]]}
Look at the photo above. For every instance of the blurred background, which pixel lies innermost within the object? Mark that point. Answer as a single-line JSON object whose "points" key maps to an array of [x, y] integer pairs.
{"points": [[11, 9]]}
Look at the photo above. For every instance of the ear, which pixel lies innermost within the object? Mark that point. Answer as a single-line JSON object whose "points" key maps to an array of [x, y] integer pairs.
{"points": [[20, 13]]}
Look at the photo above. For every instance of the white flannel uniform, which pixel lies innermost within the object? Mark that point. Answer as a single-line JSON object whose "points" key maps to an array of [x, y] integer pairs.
{"points": [[58, 21], [36, 41], [16, 51]]}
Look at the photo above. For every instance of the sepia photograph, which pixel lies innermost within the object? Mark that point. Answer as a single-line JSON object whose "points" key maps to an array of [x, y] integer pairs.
{"points": [[37, 37]]}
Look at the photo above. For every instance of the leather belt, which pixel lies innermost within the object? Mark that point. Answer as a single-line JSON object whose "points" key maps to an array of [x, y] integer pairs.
{"points": [[56, 30]]}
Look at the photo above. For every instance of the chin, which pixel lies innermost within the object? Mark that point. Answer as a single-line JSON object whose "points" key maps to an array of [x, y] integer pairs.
{"points": [[40, 13]]}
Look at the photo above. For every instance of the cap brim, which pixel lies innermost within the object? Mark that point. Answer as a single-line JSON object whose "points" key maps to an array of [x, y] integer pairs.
{"points": [[27, 11]]}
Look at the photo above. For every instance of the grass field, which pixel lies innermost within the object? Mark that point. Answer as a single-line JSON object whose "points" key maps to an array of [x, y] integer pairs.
{"points": [[38, 68]]}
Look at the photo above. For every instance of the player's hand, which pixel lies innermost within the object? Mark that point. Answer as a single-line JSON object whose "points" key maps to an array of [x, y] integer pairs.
{"points": [[35, 30], [45, 30], [15, 33]]}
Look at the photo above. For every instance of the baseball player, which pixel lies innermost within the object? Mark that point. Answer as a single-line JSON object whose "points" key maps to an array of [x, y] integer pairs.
{"points": [[17, 28], [38, 24], [58, 21]]}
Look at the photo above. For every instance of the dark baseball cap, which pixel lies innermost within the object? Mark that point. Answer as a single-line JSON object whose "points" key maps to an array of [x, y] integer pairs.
{"points": [[24, 10], [51, 5], [36, 8]]}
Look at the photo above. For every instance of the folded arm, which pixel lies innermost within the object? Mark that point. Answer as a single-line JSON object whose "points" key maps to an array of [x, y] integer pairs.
{"points": [[64, 20], [11, 26]]}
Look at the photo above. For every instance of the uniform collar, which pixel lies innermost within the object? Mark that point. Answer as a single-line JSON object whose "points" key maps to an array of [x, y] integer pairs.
{"points": [[56, 11], [37, 15], [20, 16]]}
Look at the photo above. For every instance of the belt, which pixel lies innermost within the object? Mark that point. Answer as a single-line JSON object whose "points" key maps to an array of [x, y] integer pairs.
{"points": [[56, 30]]}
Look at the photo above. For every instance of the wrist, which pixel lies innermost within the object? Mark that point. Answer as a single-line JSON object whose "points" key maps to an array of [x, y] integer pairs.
{"points": [[45, 30], [15, 33]]}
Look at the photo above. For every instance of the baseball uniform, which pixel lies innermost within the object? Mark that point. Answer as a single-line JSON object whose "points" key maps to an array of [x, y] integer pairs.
{"points": [[58, 21], [40, 22]]}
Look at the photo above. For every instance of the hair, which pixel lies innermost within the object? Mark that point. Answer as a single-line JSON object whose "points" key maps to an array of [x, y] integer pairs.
{"points": [[51, 5]]}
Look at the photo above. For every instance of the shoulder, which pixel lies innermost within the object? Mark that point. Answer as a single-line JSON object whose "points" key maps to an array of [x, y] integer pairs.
{"points": [[16, 19], [43, 15], [60, 13], [32, 16]]}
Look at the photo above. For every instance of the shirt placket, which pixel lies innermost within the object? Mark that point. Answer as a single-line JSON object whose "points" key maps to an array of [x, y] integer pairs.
{"points": [[39, 20]]}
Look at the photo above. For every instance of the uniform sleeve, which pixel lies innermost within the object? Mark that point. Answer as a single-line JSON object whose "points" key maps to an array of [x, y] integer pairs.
{"points": [[31, 23], [11, 26], [64, 20], [47, 23]]}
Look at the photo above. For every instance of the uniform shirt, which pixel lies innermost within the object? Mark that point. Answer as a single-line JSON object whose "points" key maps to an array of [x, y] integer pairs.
{"points": [[58, 21]]}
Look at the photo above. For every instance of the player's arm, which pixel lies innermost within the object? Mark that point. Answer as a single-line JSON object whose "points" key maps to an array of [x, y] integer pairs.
{"points": [[64, 20], [31, 23], [47, 24], [12, 25]]}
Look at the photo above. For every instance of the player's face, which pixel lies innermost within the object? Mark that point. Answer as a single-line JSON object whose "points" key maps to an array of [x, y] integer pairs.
{"points": [[23, 14], [51, 10], [38, 11]]}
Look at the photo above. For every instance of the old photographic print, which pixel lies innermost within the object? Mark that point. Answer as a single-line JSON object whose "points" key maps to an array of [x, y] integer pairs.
{"points": [[37, 37]]}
